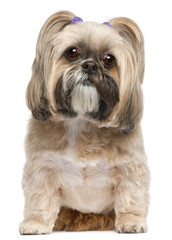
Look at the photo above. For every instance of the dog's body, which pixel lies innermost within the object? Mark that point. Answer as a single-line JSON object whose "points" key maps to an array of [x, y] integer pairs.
{"points": [[78, 156]]}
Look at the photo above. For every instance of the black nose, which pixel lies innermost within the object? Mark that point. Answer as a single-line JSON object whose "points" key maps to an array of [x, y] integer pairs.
{"points": [[89, 67]]}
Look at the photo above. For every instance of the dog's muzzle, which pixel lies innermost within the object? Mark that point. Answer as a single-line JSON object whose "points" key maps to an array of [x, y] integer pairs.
{"points": [[86, 95]]}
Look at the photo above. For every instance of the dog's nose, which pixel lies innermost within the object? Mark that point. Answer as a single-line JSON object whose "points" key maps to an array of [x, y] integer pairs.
{"points": [[89, 67]]}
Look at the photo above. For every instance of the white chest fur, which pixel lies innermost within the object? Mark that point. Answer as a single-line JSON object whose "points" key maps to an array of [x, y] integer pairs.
{"points": [[86, 188], [69, 172], [85, 185]]}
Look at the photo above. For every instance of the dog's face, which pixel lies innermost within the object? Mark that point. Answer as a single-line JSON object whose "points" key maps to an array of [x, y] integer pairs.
{"points": [[86, 77], [88, 69]]}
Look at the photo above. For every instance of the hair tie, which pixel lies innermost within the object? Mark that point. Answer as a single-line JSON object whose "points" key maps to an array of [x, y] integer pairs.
{"points": [[78, 19], [108, 24]]}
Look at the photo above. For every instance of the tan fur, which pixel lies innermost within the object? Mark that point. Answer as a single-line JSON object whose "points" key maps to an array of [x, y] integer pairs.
{"points": [[72, 220], [83, 174]]}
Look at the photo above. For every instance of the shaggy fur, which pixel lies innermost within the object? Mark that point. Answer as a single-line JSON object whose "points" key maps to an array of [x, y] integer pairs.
{"points": [[85, 161]]}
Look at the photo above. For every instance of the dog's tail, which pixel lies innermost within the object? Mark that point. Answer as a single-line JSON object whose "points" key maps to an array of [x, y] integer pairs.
{"points": [[72, 220]]}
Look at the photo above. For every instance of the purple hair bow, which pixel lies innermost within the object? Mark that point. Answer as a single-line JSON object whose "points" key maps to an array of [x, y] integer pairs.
{"points": [[108, 24], [78, 19]]}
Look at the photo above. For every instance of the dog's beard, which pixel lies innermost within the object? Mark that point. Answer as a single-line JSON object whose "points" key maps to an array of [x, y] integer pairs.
{"points": [[85, 99], [78, 93]]}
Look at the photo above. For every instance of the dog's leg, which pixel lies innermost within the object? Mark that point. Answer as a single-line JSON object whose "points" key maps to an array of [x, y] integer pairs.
{"points": [[131, 198], [41, 202]]}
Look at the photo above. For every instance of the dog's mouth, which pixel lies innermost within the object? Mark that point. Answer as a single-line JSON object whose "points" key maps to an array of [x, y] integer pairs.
{"points": [[84, 94], [88, 82]]}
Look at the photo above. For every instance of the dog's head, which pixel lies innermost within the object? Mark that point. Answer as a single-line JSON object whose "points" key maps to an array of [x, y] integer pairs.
{"points": [[89, 69]]}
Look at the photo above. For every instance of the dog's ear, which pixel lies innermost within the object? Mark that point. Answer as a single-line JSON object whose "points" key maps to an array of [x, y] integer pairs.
{"points": [[36, 95], [131, 32], [131, 65], [132, 111]]}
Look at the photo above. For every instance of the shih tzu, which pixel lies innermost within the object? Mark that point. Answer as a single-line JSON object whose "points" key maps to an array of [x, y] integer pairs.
{"points": [[86, 167]]}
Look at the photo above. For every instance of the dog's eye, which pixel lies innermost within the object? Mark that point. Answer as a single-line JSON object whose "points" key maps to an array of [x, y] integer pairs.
{"points": [[72, 53], [109, 60]]}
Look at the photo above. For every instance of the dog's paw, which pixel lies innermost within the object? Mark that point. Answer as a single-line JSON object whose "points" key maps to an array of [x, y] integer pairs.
{"points": [[131, 228], [32, 227], [130, 224]]}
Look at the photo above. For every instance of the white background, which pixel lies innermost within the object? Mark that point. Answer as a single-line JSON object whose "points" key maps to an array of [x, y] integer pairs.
{"points": [[20, 23]]}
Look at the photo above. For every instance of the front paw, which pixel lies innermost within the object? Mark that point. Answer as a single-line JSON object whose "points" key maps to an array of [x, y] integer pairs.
{"points": [[33, 227], [128, 223]]}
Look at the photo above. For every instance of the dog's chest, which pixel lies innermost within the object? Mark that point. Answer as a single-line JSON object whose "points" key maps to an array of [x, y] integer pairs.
{"points": [[87, 188], [94, 170], [72, 173], [85, 183]]}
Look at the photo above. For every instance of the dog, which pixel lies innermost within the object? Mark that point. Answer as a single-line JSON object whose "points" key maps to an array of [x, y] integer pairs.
{"points": [[86, 167]]}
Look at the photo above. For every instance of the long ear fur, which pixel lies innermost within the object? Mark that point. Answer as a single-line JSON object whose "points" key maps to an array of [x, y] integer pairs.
{"points": [[130, 31], [131, 53], [37, 99]]}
